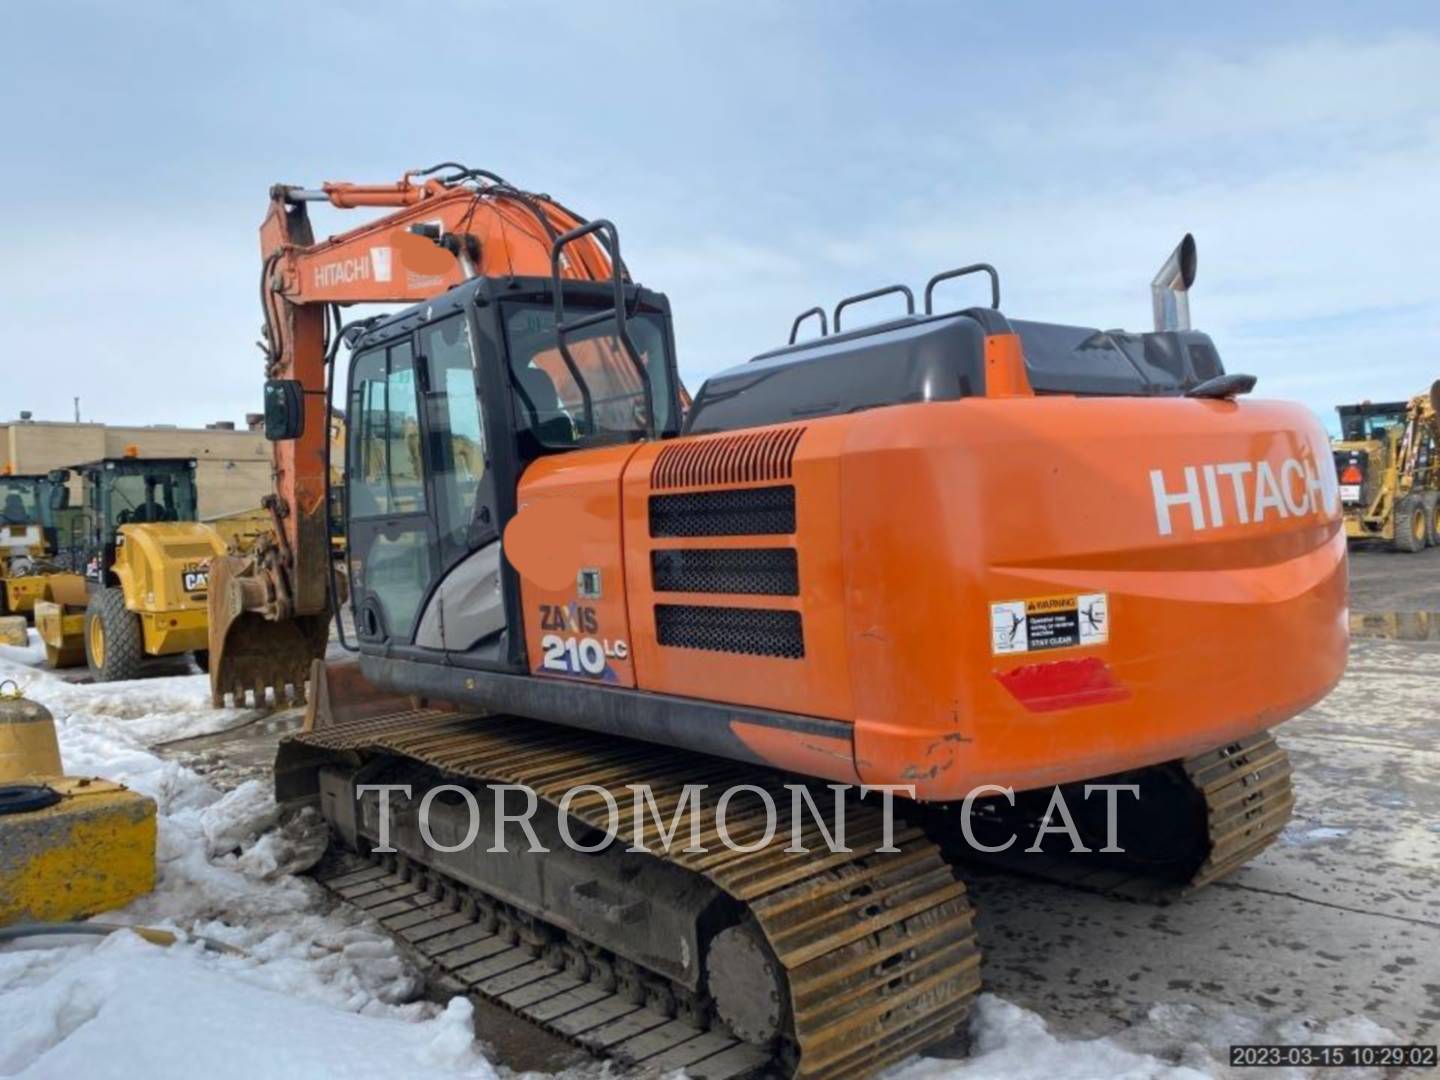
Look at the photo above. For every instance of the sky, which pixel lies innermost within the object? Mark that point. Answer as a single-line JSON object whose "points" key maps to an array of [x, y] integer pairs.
{"points": [[758, 158]]}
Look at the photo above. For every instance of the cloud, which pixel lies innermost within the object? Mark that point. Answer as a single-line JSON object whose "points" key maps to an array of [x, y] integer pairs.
{"points": [[758, 161], [1305, 171]]}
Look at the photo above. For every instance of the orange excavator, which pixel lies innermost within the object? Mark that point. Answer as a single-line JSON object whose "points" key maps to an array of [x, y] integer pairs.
{"points": [[949, 557]]}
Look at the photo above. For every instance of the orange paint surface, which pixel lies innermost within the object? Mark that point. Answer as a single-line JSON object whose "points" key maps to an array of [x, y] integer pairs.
{"points": [[912, 521]]}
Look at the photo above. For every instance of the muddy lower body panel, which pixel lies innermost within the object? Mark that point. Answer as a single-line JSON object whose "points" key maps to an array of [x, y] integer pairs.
{"points": [[1187, 824], [725, 959]]}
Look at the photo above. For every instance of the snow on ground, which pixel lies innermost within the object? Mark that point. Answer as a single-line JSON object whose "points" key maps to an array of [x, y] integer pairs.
{"points": [[125, 1008], [311, 982], [322, 991], [31, 654]]}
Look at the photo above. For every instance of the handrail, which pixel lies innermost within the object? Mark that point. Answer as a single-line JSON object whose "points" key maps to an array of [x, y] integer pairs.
{"points": [[606, 234], [973, 268], [871, 295], [795, 326]]}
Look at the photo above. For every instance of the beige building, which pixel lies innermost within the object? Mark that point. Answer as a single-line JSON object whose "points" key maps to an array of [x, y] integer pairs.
{"points": [[232, 467]]}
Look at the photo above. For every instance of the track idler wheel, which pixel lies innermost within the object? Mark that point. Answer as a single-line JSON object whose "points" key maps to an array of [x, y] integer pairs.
{"points": [[747, 984]]}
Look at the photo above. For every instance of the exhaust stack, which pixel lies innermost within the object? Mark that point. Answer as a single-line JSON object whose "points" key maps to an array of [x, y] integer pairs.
{"points": [[1170, 289]]}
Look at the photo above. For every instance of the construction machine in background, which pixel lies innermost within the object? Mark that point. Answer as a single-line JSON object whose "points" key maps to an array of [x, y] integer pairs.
{"points": [[240, 529], [336, 496], [29, 540], [945, 550], [145, 562], [1388, 461]]}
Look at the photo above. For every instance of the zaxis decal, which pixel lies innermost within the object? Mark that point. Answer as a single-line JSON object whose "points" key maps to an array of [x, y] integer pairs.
{"points": [[572, 653]]}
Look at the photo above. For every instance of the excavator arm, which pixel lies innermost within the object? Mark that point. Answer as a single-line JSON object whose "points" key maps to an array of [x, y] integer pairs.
{"points": [[269, 611]]}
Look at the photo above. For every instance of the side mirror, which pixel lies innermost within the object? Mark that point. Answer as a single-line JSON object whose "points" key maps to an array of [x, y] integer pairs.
{"points": [[58, 476], [284, 409], [60, 496]]}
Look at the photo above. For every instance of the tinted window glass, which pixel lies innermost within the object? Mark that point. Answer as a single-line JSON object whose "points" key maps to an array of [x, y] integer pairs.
{"points": [[549, 402], [136, 496], [384, 467], [18, 505], [457, 437]]}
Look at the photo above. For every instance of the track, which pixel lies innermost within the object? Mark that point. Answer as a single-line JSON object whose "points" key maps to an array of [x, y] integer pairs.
{"points": [[1243, 791], [871, 956]]}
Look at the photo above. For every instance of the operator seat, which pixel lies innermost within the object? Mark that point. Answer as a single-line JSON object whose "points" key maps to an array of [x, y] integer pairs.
{"points": [[15, 510], [551, 425]]}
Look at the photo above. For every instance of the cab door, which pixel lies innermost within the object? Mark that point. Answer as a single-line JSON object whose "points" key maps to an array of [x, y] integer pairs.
{"points": [[423, 531], [391, 533], [464, 610]]}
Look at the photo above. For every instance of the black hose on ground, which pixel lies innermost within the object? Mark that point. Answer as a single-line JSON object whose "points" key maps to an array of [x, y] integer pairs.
{"points": [[96, 929]]}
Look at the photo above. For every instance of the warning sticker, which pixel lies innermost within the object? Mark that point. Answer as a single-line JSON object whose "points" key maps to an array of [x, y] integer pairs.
{"points": [[1049, 622]]}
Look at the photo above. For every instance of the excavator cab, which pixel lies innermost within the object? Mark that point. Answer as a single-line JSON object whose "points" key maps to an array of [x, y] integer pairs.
{"points": [[448, 404]]}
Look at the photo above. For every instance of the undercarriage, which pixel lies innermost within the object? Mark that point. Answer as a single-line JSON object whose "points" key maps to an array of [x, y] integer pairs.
{"points": [[688, 952]]}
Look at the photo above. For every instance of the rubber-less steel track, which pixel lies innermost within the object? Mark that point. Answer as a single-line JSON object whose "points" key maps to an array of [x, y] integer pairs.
{"points": [[1248, 800], [878, 949], [1245, 786]]}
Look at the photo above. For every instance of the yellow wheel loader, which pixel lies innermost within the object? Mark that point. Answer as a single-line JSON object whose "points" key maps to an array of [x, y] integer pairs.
{"points": [[146, 571], [1386, 460]]}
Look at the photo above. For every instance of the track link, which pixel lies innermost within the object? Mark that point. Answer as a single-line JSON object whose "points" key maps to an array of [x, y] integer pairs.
{"points": [[878, 949], [1247, 800]]}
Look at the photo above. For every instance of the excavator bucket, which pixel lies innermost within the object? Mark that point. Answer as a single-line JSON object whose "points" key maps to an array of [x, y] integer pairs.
{"points": [[249, 652]]}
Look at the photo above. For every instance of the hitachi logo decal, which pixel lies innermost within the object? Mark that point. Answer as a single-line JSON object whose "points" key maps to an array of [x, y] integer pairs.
{"points": [[1242, 493], [375, 265]]}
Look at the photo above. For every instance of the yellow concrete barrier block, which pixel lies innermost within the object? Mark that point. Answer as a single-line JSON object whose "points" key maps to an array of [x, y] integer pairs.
{"points": [[91, 851]]}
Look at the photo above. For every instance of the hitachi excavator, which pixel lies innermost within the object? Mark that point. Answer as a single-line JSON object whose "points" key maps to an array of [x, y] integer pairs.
{"points": [[940, 551]]}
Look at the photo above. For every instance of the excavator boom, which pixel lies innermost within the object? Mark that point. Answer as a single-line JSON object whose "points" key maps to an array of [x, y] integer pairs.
{"points": [[269, 611]]}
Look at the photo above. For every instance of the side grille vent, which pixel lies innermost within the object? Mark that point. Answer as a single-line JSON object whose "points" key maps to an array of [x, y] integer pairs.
{"points": [[749, 631], [760, 457], [752, 571], [767, 511]]}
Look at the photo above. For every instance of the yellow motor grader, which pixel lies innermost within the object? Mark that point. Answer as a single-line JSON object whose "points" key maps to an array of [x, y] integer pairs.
{"points": [[1386, 459]]}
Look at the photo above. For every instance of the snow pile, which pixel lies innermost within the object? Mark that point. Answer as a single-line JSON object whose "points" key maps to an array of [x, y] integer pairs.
{"points": [[152, 710], [30, 655], [125, 1008], [1174, 1042], [1205, 1034], [224, 872], [1008, 1042]]}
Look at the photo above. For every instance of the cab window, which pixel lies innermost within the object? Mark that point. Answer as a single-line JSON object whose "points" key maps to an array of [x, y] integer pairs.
{"points": [[384, 467], [457, 436], [549, 403]]}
